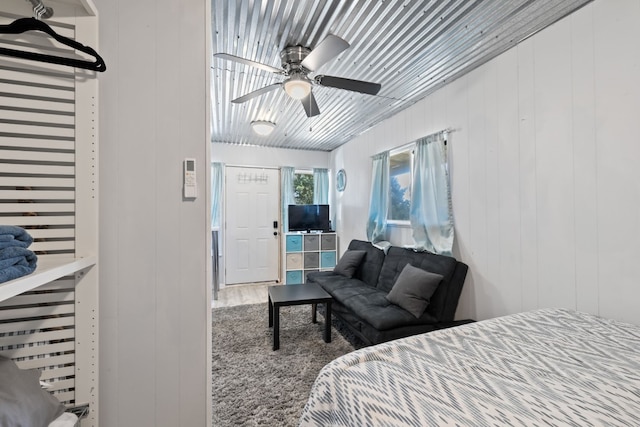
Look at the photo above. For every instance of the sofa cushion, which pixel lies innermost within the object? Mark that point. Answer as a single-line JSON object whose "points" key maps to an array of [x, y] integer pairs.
{"points": [[398, 257], [330, 281], [372, 306], [349, 262], [369, 269], [353, 289], [445, 298], [413, 289]]}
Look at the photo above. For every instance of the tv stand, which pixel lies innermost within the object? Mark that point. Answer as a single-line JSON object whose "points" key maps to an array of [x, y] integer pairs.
{"points": [[307, 252]]}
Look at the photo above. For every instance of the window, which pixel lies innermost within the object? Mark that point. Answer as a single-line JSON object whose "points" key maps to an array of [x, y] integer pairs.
{"points": [[400, 175], [303, 187]]}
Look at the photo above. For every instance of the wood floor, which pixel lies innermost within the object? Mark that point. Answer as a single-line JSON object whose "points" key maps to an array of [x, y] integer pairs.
{"points": [[250, 293]]}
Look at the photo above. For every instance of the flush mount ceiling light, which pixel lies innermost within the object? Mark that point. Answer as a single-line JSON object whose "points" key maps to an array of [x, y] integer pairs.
{"points": [[262, 127], [297, 86]]}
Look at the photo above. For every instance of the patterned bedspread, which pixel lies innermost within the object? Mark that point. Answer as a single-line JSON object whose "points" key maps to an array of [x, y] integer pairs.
{"points": [[541, 368]]}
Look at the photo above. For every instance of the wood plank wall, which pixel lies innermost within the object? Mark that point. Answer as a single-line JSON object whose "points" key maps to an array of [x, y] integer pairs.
{"points": [[544, 154]]}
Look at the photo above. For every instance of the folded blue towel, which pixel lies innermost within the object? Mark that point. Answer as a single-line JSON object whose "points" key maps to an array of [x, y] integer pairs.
{"points": [[16, 262], [10, 235]]}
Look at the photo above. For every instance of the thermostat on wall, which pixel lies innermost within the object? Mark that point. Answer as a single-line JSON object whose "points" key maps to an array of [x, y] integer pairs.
{"points": [[189, 186]]}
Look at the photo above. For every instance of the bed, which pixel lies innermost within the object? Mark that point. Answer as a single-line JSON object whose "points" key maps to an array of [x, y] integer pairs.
{"points": [[544, 367]]}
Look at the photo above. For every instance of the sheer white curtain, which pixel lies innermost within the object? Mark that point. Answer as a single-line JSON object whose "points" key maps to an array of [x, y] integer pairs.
{"points": [[431, 209], [320, 186], [287, 175], [321, 191], [379, 200], [217, 180]]}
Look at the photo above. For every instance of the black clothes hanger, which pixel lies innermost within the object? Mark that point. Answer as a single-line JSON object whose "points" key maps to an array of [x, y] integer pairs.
{"points": [[31, 24]]}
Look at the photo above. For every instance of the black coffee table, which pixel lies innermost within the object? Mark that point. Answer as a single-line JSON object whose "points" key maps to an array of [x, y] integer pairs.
{"points": [[308, 293]]}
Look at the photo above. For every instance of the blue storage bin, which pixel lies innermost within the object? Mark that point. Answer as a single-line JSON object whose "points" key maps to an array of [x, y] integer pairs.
{"points": [[294, 277], [328, 259], [294, 243]]}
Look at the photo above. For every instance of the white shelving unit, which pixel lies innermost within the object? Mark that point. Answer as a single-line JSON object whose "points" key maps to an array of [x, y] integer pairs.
{"points": [[308, 252], [49, 186], [49, 270]]}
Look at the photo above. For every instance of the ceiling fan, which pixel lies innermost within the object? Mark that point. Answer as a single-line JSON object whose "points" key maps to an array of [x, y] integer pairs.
{"points": [[297, 63]]}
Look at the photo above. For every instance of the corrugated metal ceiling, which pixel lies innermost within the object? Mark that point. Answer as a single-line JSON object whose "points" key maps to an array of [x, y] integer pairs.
{"points": [[412, 48]]}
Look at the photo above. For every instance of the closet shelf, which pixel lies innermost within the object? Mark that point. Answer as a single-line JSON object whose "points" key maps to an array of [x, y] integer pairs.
{"points": [[79, 7], [48, 270]]}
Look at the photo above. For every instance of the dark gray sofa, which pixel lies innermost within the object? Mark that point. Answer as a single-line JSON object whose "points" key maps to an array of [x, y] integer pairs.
{"points": [[360, 302]]}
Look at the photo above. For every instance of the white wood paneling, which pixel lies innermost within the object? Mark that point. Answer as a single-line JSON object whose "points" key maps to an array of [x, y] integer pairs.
{"points": [[155, 302], [528, 176], [352, 204], [584, 160], [554, 167], [459, 158], [491, 182], [544, 168], [478, 232], [617, 102], [508, 184]]}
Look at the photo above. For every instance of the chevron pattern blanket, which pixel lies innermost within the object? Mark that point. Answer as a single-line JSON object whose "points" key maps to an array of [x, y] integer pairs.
{"points": [[546, 367]]}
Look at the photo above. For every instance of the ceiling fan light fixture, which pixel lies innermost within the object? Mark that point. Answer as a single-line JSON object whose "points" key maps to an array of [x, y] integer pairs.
{"points": [[263, 127], [297, 86]]}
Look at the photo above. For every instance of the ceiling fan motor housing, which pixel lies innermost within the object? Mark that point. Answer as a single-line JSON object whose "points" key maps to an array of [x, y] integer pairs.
{"points": [[291, 58]]}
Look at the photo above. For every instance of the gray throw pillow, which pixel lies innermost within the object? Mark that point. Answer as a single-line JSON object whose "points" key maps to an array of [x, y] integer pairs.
{"points": [[413, 289], [22, 401], [349, 263]]}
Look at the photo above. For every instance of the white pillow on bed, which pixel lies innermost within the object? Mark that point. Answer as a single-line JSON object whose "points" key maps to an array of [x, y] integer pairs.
{"points": [[23, 401]]}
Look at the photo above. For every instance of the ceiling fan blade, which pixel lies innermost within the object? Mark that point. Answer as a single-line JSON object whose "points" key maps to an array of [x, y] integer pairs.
{"points": [[349, 84], [255, 93], [310, 105], [326, 50], [248, 62]]}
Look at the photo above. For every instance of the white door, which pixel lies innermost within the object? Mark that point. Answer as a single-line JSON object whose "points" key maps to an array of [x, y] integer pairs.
{"points": [[252, 225]]}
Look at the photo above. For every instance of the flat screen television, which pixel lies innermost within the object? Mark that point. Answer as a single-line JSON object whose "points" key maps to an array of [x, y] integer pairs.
{"points": [[309, 218]]}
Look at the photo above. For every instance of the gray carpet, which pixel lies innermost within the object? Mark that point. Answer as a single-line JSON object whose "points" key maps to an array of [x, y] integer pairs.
{"points": [[256, 386]]}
